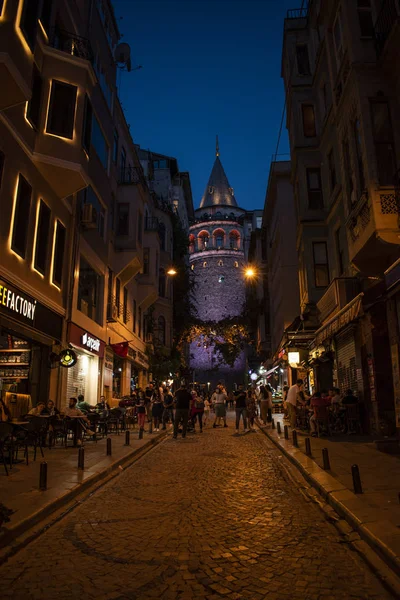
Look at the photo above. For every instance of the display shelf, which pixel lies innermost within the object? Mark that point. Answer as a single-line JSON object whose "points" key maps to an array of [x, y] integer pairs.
{"points": [[15, 350], [14, 377], [16, 364]]}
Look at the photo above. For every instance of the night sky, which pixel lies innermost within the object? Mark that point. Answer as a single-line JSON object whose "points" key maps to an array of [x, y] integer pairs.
{"points": [[209, 67]]}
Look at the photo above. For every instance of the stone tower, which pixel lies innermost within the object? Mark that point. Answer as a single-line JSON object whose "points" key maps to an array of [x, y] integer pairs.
{"points": [[216, 254]]}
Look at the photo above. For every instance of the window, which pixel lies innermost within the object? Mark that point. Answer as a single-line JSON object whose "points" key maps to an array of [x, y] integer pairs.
{"points": [[99, 142], [140, 228], [220, 263], [123, 218], [89, 196], [338, 39], [162, 283], [365, 18], [115, 147], [45, 15], [192, 267], [203, 241], [332, 170], [118, 295], [140, 322], [221, 278], [236, 264], [61, 116], [125, 308], [58, 259], [89, 291], [204, 264], [123, 164], [33, 108], [28, 22], [219, 240], [383, 141], [258, 222], [339, 251], [87, 125], [146, 261], [134, 314], [161, 330], [234, 240], [21, 217], [42, 237], [308, 120], [2, 160], [314, 188], [360, 165], [321, 267], [303, 62]]}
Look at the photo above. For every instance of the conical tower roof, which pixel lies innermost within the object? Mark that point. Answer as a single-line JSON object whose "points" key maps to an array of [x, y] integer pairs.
{"points": [[218, 191]]}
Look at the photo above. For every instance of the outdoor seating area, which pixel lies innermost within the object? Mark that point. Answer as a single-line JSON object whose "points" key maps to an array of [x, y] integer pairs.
{"points": [[329, 420]]}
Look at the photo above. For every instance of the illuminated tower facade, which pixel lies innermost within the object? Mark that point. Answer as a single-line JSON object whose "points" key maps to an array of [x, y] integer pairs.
{"points": [[217, 257]]}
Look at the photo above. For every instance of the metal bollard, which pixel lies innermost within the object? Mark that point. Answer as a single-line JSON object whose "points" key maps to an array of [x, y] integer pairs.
{"points": [[278, 427], [81, 458], [294, 436], [108, 446], [127, 437], [151, 427], [308, 447], [286, 432], [43, 477], [273, 424], [141, 433], [325, 458], [356, 479]]}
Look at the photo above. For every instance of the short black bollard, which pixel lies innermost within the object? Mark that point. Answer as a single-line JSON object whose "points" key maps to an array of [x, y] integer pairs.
{"points": [[141, 433], [308, 447], [325, 458], [294, 436], [108, 446], [127, 437], [286, 432], [43, 477], [81, 458], [278, 427], [273, 424], [356, 479]]}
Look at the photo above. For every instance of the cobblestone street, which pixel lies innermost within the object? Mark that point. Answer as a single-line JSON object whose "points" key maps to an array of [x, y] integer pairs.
{"points": [[211, 516]]}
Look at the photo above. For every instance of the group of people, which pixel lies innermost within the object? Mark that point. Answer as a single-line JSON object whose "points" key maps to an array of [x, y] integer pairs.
{"points": [[296, 398]]}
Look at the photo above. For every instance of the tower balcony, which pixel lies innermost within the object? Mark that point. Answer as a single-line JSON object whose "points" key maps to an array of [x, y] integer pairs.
{"points": [[373, 231]]}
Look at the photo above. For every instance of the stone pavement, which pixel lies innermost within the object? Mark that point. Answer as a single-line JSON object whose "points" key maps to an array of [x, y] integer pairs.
{"points": [[213, 516], [20, 490], [377, 509]]}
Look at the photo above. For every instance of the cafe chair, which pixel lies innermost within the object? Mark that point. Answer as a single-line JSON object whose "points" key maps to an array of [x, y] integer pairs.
{"points": [[6, 430], [353, 423], [322, 420]]}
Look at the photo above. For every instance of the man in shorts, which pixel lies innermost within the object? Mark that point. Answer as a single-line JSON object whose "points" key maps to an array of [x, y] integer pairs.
{"points": [[218, 399]]}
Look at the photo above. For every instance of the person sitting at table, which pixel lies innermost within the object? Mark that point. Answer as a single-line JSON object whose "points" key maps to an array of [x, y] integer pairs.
{"points": [[83, 405], [50, 409], [317, 401], [38, 409], [102, 404], [349, 398], [80, 424]]}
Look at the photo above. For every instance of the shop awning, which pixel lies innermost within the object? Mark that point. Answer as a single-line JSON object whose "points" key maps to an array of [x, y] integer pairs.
{"points": [[270, 371], [345, 316]]}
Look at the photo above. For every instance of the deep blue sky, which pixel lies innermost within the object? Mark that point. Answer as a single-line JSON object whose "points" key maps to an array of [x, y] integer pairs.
{"points": [[209, 66]]}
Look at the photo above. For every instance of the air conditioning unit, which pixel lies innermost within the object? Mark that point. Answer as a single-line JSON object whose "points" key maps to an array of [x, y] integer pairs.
{"points": [[112, 314], [89, 216]]}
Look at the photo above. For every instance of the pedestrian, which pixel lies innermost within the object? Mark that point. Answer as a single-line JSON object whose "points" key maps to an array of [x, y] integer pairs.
{"points": [[168, 404], [148, 395], [182, 402], [264, 404], [141, 413], [231, 399], [285, 393], [292, 400], [270, 403], [219, 401], [197, 411], [251, 408], [157, 409], [207, 409], [240, 407]]}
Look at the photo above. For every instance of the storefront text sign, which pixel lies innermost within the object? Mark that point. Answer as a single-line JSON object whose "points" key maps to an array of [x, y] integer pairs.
{"points": [[91, 343], [16, 302]]}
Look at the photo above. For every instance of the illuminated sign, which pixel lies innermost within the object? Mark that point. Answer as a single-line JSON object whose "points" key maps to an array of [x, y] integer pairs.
{"points": [[68, 358], [92, 344], [294, 359], [15, 302]]}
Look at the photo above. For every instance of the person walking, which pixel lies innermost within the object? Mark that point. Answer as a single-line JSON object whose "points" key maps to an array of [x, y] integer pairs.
{"points": [[292, 400], [182, 402], [219, 401], [168, 404], [264, 404], [251, 408], [197, 411], [141, 413], [157, 409], [207, 409], [270, 404], [240, 407], [148, 396]]}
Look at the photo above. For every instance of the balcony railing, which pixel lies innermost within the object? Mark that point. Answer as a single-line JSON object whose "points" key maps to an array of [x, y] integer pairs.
{"points": [[72, 44], [340, 292], [388, 16], [151, 224], [117, 310], [130, 176]]}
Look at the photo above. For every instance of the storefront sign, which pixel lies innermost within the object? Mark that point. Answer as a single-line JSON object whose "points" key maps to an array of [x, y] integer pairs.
{"points": [[91, 343], [109, 359], [16, 304]]}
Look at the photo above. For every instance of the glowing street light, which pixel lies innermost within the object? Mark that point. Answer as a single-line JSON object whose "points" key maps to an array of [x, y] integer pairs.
{"points": [[250, 272], [172, 271]]}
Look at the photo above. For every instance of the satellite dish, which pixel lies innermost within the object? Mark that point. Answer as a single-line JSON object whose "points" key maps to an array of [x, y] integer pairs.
{"points": [[123, 55]]}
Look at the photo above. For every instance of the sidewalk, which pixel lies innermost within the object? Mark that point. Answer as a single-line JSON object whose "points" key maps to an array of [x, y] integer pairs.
{"points": [[374, 514], [20, 490]]}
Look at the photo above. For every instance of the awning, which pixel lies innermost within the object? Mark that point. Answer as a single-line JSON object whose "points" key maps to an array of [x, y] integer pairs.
{"points": [[345, 316], [270, 371], [392, 275]]}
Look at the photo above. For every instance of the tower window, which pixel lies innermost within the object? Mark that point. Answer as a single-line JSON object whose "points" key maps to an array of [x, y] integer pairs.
{"points": [[221, 279], [192, 267], [204, 264], [236, 264], [220, 263]]}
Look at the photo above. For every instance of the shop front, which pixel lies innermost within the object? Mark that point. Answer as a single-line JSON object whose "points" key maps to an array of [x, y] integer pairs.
{"points": [[84, 378], [28, 331]]}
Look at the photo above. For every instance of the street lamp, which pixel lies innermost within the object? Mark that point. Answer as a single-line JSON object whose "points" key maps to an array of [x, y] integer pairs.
{"points": [[250, 273], [172, 271]]}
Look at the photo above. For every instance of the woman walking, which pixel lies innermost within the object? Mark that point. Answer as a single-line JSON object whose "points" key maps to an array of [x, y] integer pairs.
{"points": [[157, 409], [265, 403], [207, 409], [197, 410], [251, 408]]}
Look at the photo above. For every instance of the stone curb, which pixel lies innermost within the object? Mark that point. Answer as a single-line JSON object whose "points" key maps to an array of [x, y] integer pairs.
{"points": [[339, 497], [12, 533]]}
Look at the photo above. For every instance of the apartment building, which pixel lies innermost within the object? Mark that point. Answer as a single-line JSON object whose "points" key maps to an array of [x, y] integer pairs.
{"points": [[342, 104]]}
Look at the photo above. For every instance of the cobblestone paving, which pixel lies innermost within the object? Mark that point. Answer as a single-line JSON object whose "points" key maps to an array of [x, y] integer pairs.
{"points": [[213, 516]]}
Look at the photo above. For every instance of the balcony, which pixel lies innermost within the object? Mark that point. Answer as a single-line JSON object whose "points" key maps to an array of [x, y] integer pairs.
{"points": [[151, 224], [72, 44], [16, 60], [340, 292], [116, 311], [296, 18], [131, 176], [386, 23], [373, 231], [127, 260]]}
